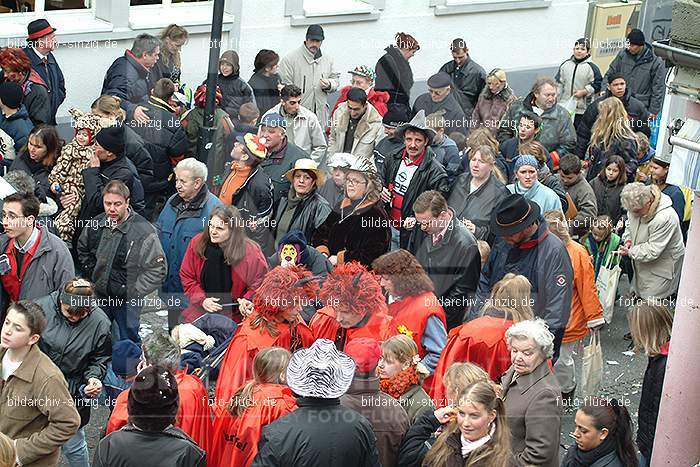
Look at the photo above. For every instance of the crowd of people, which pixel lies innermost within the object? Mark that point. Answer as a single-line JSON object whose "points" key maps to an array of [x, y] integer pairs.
{"points": [[353, 275]]}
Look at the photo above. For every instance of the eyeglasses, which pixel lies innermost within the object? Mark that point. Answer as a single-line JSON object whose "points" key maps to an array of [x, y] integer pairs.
{"points": [[353, 182]]}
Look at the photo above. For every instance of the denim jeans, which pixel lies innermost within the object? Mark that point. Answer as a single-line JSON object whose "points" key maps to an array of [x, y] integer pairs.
{"points": [[395, 239], [128, 319], [643, 461], [76, 450]]}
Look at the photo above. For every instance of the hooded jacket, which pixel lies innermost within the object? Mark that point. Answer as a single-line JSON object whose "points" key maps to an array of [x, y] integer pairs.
{"points": [[645, 75], [95, 179], [468, 81], [586, 204], [369, 130], [490, 107], [17, 126], [576, 74], [234, 91], [394, 75]]}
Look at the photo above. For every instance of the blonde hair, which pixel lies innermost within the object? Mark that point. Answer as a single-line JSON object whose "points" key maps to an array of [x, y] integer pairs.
{"points": [[612, 124], [496, 452], [269, 366], [484, 251], [402, 349], [488, 155], [172, 32], [109, 105], [481, 137], [535, 148], [460, 376], [8, 454], [558, 225], [513, 296], [650, 326]]}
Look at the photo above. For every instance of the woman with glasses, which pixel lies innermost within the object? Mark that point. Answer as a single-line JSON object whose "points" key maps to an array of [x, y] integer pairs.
{"points": [[494, 100], [358, 228]]}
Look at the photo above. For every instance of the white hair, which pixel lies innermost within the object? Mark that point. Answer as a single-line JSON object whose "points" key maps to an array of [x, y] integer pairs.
{"points": [[636, 195], [197, 168], [535, 329]]}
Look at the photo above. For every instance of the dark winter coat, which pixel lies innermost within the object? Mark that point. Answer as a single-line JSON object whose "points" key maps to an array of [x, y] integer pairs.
{"points": [[467, 81], [17, 126], [384, 148], [394, 75], [429, 176], [165, 139], [193, 122], [136, 151], [556, 132], [586, 204], [608, 460], [36, 98], [234, 93], [649, 402], [265, 90], [127, 79], [597, 156], [52, 76], [645, 75], [418, 440], [490, 108], [131, 446], [320, 433], [308, 216], [454, 266], [126, 261], [95, 179], [162, 70], [254, 200], [636, 111], [455, 119], [38, 172], [551, 181], [478, 205], [607, 196], [278, 163]]}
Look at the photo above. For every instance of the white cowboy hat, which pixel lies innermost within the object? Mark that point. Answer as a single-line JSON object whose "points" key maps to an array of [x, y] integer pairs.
{"points": [[320, 371]]}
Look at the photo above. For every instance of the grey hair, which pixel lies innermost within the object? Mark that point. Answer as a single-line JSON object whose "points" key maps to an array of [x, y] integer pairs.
{"points": [[197, 168], [535, 329], [160, 349], [635, 195], [144, 44], [20, 181]]}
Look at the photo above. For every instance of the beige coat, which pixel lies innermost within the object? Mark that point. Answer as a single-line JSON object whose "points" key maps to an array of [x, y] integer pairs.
{"points": [[301, 68], [369, 131], [304, 131], [37, 410], [533, 411], [657, 249]]}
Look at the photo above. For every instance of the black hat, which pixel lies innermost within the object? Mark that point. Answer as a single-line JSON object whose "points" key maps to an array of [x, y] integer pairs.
{"points": [[439, 80], [38, 29], [636, 37], [11, 94], [315, 32], [513, 214], [112, 139], [396, 115], [153, 398]]}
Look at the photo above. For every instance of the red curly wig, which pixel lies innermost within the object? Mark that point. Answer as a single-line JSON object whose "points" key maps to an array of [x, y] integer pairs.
{"points": [[14, 59], [283, 288], [351, 287]]}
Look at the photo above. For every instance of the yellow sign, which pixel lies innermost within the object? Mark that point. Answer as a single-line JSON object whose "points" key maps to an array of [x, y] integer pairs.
{"points": [[609, 26]]}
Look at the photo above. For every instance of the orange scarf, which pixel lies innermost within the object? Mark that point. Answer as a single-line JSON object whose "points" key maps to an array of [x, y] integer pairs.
{"points": [[239, 174], [401, 382]]}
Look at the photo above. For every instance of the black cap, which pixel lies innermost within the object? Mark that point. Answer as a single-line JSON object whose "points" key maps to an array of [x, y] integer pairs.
{"points": [[11, 94], [112, 139], [439, 80], [315, 31], [513, 214], [38, 29], [396, 115], [636, 37]]}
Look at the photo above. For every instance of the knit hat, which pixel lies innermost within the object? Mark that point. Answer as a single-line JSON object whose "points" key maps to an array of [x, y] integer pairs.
{"points": [[396, 115], [125, 358], [352, 288], [320, 371], [364, 71], [525, 159], [636, 37], [315, 32], [112, 139], [366, 352], [254, 145], [11, 94], [153, 399], [200, 96]]}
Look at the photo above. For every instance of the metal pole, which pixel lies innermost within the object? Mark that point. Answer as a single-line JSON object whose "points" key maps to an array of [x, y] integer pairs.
{"points": [[206, 134]]}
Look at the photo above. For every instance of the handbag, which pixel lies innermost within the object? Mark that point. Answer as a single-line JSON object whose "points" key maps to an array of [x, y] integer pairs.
{"points": [[606, 283], [592, 371]]}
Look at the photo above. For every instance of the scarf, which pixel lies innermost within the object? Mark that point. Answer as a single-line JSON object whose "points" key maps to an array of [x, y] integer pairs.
{"points": [[400, 383], [587, 458], [216, 276], [470, 446]]}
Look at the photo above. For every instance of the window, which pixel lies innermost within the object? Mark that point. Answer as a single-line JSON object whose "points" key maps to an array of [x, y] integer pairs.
{"points": [[305, 12], [456, 7], [162, 2], [38, 6]]}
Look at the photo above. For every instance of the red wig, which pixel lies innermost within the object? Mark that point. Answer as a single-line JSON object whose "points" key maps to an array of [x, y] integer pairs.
{"points": [[14, 59], [283, 288], [200, 96], [351, 287]]}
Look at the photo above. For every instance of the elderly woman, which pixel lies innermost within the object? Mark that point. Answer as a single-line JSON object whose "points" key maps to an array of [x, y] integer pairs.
{"points": [[527, 184], [18, 69], [531, 394], [493, 101], [652, 240], [476, 193], [303, 208], [358, 227]]}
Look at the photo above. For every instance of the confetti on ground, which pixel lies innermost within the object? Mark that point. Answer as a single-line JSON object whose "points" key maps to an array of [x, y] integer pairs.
{"points": [[612, 362], [162, 313], [629, 353]]}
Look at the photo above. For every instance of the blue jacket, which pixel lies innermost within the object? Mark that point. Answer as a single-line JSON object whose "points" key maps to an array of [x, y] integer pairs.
{"points": [[177, 224], [53, 77], [17, 126]]}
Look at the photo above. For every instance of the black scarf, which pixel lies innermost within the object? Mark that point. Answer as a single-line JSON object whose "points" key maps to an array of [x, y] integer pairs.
{"points": [[588, 458], [216, 276]]}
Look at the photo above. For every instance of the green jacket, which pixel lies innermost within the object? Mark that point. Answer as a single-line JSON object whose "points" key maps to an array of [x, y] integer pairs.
{"points": [[193, 121]]}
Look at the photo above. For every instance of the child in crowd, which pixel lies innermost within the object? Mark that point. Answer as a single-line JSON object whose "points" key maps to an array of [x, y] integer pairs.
{"points": [[644, 156], [601, 241], [234, 90], [607, 187]]}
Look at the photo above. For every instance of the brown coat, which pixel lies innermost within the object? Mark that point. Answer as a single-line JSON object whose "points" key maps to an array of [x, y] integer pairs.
{"points": [[37, 410], [490, 108], [534, 413], [389, 420]]}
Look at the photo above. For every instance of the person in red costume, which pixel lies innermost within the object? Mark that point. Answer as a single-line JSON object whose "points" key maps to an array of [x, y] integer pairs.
{"points": [[275, 321], [262, 400], [193, 414], [415, 309], [482, 340], [354, 308]]}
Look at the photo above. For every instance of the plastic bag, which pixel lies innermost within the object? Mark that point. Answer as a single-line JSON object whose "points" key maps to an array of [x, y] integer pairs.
{"points": [[570, 107], [592, 371], [606, 283]]}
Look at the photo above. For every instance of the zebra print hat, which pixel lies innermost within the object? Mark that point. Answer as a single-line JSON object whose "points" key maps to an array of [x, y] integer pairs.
{"points": [[320, 371]]}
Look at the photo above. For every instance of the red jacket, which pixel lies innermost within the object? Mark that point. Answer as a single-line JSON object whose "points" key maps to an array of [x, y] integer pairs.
{"points": [[586, 310], [378, 99], [193, 414], [480, 341], [324, 326], [410, 315], [246, 276], [235, 441], [237, 364]]}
